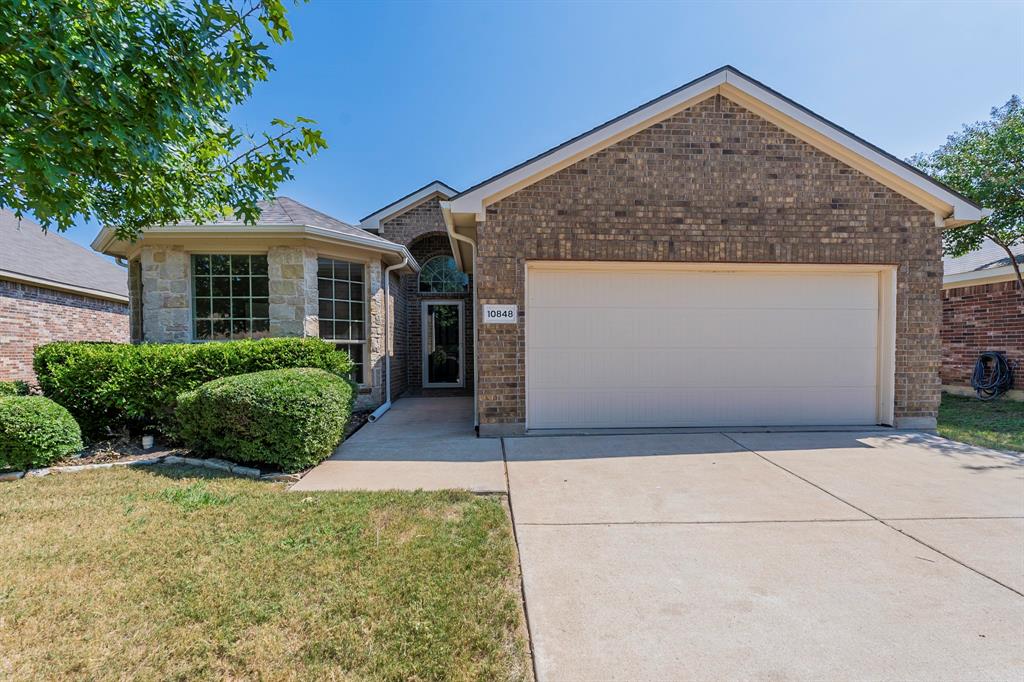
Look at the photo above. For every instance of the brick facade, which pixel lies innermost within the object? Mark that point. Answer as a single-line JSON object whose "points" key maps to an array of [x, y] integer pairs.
{"points": [[31, 316], [980, 318], [414, 222], [422, 230], [712, 184]]}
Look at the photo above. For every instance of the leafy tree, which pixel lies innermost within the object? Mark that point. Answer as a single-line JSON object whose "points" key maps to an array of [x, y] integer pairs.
{"points": [[985, 162], [118, 110]]}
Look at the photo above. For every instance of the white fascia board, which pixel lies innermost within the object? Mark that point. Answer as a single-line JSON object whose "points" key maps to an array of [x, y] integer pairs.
{"points": [[105, 238], [962, 210], [475, 200], [61, 286], [372, 221]]}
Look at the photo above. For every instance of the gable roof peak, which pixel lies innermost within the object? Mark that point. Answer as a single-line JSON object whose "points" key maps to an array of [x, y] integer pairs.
{"points": [[432, 188], [728, 81]]}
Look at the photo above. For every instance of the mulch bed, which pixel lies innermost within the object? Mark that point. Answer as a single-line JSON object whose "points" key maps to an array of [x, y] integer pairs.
{"points": [[356, 422], [120, 449]]}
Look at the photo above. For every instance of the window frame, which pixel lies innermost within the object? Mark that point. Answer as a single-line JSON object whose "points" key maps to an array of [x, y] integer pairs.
{"points": [[365, 342], [419, 278], [191, 293]]}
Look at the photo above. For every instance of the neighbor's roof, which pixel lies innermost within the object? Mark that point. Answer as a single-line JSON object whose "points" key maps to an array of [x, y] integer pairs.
{"points": [[282, 214], [48, 260], [729, 82], [432, 189], [990, 262]]}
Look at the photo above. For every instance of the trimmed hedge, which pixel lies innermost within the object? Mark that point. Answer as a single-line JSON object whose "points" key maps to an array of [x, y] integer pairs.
{"points": [[13, 388], [35, 432], [117, 386], [288, 418]]}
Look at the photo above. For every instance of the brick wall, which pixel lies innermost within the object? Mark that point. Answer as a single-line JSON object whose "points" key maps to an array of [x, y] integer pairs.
{"points": [[31, 316], [399, 333], [980, 318], [713, 183], [416, 221]]}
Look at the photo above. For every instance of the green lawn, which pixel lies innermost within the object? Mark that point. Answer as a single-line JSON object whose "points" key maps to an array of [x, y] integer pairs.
{"points": [[998, 424], [173, 574]]}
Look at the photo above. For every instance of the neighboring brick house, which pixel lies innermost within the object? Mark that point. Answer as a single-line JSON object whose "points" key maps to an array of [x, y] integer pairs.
{"points": [[982, 310], [719, 256], [52, 289]]}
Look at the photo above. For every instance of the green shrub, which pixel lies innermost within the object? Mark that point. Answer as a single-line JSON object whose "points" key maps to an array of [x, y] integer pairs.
{"points": [[13, 388], [35, 432], [288, 418], [117, 386]]}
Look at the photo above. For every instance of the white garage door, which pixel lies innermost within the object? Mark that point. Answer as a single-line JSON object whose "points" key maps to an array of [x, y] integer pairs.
{"points": [[646, 346]]}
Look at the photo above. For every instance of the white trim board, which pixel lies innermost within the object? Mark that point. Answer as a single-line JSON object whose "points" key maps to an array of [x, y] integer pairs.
{"points": [[729, 82], [435, 188]]}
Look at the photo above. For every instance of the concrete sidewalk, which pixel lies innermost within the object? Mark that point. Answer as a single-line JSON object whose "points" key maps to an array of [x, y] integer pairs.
{"points": [[420, 443]]}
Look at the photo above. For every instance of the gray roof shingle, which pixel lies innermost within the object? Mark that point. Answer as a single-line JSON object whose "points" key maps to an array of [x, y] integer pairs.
{"points": [[28, 251], [989, 256], [287, 211]]}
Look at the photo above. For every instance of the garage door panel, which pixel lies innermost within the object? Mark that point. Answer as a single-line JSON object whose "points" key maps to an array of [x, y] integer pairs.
{"points": [[633, 328], [652, 348], [560, 408], [702, 368], [611, 288]]}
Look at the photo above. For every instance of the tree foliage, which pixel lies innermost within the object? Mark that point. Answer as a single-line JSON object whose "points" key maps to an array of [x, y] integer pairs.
{"points": [[118, 110], [985, 162]]}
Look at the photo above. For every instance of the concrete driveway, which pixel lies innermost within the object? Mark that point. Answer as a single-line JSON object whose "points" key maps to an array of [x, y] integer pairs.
{"points": [[785, 556]]}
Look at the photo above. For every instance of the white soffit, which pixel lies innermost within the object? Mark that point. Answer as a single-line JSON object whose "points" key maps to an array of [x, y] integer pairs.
{"points": [[761, 100], [372, 221]]}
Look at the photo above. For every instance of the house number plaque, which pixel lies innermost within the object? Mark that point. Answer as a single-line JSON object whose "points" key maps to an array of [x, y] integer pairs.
{"points": [[500, 314]]}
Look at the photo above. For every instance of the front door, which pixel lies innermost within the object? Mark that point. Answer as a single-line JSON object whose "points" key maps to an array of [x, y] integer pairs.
{"points": [[443, 353]]}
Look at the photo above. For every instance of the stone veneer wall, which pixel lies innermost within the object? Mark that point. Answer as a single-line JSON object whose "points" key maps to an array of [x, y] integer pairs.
{"points": [[31, 316], [165, 304], [293, 291], [294, 310], [712, 184]]}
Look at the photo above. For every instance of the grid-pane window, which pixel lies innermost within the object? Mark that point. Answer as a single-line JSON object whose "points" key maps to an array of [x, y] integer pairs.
{"points": [[342, 297], [230, 297], [440, 275]]}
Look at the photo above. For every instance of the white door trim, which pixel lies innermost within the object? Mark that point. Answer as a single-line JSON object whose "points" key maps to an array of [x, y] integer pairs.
{"points": [[887, 287], [424, 355]]}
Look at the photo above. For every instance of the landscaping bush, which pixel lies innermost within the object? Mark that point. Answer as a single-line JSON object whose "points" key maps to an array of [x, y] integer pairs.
{"points": [[13, 388], [288, 418], [135, 386], [35, 432]]}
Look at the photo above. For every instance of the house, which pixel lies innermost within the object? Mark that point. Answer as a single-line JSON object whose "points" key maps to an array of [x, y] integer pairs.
{"points": [[982, 310], [720, 256], [52, 289]]}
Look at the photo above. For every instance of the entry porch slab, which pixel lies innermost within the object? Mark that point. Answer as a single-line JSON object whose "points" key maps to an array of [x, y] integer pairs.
{"points": [[419, 444]]}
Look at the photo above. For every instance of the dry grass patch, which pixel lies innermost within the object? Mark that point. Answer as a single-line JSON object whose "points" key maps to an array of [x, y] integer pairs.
{"points": [[168, 573]]}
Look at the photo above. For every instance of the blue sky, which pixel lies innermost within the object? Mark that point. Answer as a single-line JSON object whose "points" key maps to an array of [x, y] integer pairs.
{"points": [[409, 92]]}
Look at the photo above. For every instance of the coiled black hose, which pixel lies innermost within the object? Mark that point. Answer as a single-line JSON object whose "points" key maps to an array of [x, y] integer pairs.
{"points": [[992, 375]]}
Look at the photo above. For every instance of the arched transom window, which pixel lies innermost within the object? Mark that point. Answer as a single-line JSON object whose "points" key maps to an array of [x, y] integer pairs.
{"points": [[439, 275]]}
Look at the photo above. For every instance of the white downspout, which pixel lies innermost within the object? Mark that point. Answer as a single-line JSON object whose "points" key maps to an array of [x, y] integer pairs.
{"points": [[450, 226], [386, 405]]}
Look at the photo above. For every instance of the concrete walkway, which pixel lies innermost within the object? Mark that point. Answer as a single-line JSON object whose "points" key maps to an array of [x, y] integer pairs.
{"points": [[420, 443]]}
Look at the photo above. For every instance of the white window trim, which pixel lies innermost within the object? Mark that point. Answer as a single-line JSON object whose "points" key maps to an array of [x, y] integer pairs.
{"points": [[190, 290], [367, 381]]}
